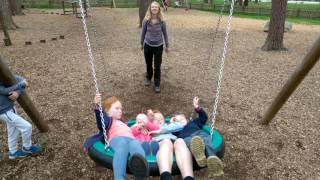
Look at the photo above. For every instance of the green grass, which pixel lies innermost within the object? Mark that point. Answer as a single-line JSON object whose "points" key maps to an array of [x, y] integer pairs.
{"points": [[132, 4], [292, 20], [266, 5], [289, 6]]}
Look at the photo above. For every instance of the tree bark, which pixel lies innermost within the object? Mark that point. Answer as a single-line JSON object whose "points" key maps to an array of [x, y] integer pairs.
{"points": [[274, 39], [143, 7], [15, 7], [7, 40], [7, 16]]}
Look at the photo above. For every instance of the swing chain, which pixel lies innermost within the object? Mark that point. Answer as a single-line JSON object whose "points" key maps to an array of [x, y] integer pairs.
{"points": [[214, 114], [216, 31], [91, 61]]}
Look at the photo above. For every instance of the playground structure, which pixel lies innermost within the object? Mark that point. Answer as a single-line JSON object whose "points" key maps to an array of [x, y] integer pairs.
{"points": [[7, 78], [74, 6]]}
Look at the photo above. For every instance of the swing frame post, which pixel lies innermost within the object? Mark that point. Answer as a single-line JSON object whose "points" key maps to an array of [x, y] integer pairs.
{"points": [[7, 77], [293, 82]]}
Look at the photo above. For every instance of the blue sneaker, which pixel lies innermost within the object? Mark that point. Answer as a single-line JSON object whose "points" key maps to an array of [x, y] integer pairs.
{"points": [[17, 154], [32, 150]]}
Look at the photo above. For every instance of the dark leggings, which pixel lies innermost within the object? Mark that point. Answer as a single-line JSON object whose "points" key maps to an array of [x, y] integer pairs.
{"points": [[149, 53]]}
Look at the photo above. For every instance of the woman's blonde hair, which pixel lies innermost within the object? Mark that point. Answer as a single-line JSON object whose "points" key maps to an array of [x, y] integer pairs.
{"points": [[149, 14]]}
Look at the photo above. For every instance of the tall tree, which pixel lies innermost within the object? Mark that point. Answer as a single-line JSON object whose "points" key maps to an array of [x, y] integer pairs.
{"points": [[15, 7], [7, 16], [274, 39], [143, 7]]}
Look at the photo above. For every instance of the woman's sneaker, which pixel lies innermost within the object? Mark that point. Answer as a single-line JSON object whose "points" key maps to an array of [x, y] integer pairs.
{"points": [[197, 147], [157, 89], [147, 82], [215, 166], [33, 150], [17, 154], [139, 167]]}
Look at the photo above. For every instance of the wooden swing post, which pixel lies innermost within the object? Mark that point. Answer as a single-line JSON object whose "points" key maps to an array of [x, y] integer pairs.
{"points": [[6, 77], [293, 82]]}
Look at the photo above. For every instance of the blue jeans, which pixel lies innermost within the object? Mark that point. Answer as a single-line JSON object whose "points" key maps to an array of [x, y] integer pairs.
{"points": [[209, 151], [123, 147], [151, 148]]}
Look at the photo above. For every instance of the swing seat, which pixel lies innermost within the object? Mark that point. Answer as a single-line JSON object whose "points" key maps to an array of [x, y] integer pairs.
{"points": [[103, 156]]}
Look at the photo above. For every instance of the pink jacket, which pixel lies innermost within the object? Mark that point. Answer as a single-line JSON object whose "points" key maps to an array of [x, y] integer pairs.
{"points": [[141, 137]]}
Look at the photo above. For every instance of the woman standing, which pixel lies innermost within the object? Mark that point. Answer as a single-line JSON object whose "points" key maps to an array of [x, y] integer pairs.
{"points": [[153, 36]]}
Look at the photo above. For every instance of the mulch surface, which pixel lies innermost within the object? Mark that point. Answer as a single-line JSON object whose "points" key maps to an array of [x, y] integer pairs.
{"points": [[62, 88]]}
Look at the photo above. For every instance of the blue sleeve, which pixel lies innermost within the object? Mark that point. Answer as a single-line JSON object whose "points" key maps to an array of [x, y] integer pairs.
{"points": [[171, 128], [20, 85], [143, 31], [107, 120], [202, 118], [165, 34], [20, 91]]}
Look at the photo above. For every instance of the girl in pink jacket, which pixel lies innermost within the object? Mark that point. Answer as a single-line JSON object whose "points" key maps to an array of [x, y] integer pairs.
{"points": [[141, 133]]}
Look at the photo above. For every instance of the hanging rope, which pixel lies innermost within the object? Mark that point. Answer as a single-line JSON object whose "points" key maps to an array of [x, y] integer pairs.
{"points": [[93, 69], [222, 62]]}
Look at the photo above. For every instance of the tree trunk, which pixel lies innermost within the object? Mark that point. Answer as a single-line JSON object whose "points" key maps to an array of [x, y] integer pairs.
{"points": [[240, 2], [274, 39], [15, 7], [246, 3], [143, 7], [50, 3], [7, 40], [7, 16], [256, 1]]}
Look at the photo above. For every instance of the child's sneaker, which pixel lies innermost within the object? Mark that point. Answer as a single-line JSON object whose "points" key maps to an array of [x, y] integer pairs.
{"points": [[215, 166], [197, 147], [17, 154], [32, 150], [139, 167]]}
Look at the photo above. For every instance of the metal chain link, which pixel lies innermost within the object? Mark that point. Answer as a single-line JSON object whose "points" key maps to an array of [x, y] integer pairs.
{"points": [[211, 49], [96, 40], [214, 37], [214, 114], [216, 31], [91, 61]]}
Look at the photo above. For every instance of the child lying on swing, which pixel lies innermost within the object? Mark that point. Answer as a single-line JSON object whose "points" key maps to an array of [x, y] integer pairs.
{"points": [[199, 141], [141, 130]]}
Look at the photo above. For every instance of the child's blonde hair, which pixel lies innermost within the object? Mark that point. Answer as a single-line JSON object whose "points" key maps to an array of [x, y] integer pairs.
{"points": [[143, 117], [179, 116], [149, 13]]}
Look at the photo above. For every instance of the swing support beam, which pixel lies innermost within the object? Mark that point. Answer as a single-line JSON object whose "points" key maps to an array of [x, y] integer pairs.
{"points": [[293, 82], [7, 77]]}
